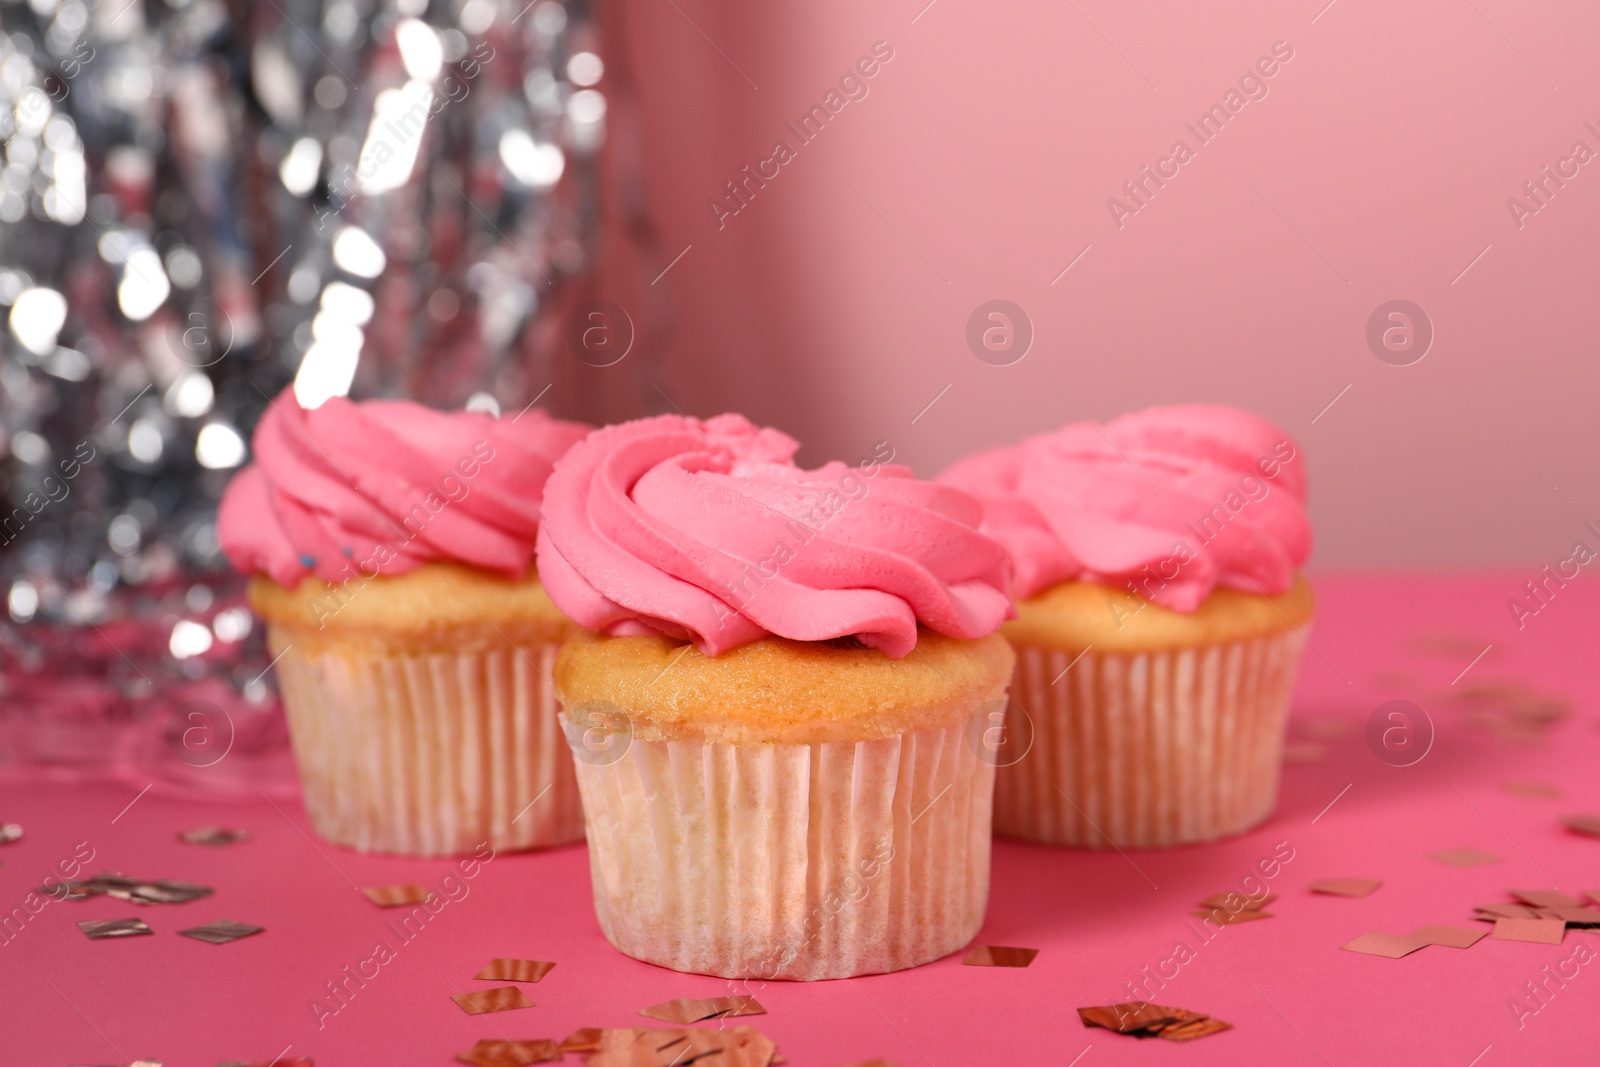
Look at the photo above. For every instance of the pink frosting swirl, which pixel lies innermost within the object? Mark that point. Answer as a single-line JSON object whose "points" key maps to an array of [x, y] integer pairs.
{"points": [[1170, 502], [384, 486], [707, 531]]}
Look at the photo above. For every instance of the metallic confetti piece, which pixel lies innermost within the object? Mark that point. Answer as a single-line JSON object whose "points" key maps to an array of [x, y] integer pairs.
{"points": [[1388, 946], [501, 998], [1141, 1019], [741, 1046], [999, 956], [1505, 911], [510, 1053], [1545, 898], [1464, 857], [685, 1010], [1224, 917], [103, 928], [1574, 915], [1532, 789], [1540, 931], [1131, 1017], [396, 896], [507, 970], [1346, 887], [221, 932], [166, 892], [9, 832], [1584, 824], [1235, 901], [1198, 1028], [214, 836], [586, 1039], [1449, 936]]}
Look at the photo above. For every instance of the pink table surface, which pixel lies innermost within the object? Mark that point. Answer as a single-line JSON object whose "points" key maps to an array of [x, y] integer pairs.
{"points": [[1097, 918]]}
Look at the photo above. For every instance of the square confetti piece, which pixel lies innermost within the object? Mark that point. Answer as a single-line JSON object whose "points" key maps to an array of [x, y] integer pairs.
{"points": [[1538, 931], [1386, 945], [214, 836], [1450, 936], [221, 932], [501, 998], [1465, 857], [508, 970], [999, 956], [1545, 898], [1584, 824], [1346, 887], [396, 896], [1532, 789], [685, 1010], [99, 930], [511, 1053]]}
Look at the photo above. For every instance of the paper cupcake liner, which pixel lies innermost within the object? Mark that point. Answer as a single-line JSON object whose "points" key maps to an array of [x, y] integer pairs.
{"points": [[1146, 750], [790, 861], [430, 754]]}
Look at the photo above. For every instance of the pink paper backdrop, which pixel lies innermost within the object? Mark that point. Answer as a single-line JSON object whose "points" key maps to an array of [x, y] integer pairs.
{"points": [[1377, 166]]}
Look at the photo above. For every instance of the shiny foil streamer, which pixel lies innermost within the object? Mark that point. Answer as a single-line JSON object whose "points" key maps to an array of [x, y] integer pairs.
{"points": [[199, 203]]}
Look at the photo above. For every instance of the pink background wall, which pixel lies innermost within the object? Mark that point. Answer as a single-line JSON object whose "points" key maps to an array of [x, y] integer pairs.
{"points": [[979, 165]]}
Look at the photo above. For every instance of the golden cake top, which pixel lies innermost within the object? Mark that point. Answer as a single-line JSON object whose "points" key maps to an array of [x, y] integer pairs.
{"points": [[437, 607], [1078, 615], [777, 690]]}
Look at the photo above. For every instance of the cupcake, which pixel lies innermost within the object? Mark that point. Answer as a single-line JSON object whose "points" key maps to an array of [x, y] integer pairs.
{"points": [[1160, 621], [773, 716], [391, 549]]}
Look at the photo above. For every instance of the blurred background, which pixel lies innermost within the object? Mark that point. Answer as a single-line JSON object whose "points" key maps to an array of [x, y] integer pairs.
{"points": [[934, 224]]}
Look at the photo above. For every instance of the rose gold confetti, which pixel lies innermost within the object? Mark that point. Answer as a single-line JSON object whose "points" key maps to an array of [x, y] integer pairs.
{"points": [[1346, 887], [1465, 857], [1237, 901], [507, 970], [741, 1046], [1198, 1028], [107, 928], [9, 832], [501, 998], [1142, 1019], [1540, 931], [396, 896], [1574, 915], [214, 836], [1505, 911], [1303, 752], [1544, 898], [586, 1039], [999, 956], [1532, 789], [1224, 917], [221, 932], [685, 1010], [1450, 936], [1388, 946], [1584, 824], [505, 1053]]}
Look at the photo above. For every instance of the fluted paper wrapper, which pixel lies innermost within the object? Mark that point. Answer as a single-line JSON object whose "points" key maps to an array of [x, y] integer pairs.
{"points": [[429, 754], [1146, 750], [791, 861]]}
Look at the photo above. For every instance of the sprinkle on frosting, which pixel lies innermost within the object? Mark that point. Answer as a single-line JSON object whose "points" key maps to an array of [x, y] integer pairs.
{"points": [[707, 531], [384, 486], [1169, 503]]}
